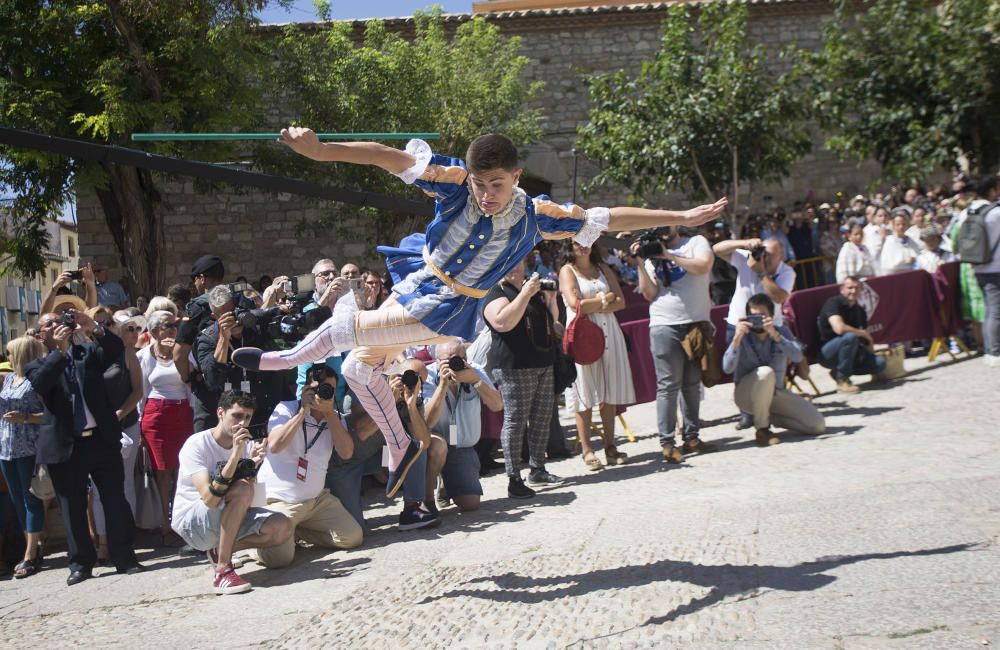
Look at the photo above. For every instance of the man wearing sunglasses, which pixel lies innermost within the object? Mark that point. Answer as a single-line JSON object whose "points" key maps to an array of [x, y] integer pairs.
{"points": [[81, 437]]}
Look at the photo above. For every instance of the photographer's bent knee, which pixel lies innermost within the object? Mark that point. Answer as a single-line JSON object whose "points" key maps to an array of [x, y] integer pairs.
{"points": [[240, 493]]}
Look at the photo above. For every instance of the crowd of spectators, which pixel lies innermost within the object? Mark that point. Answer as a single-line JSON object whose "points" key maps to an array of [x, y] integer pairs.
{"points": [[251, 460]]}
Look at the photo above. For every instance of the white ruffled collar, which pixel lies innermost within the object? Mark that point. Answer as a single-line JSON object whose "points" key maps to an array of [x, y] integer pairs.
{"points": [[506, 217]]}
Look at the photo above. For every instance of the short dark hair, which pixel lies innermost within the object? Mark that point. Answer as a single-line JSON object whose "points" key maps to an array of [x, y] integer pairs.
{"points": [[491, 151], [179, 293], [851, 277], [761, 300], [231, 398], [982, 185]]}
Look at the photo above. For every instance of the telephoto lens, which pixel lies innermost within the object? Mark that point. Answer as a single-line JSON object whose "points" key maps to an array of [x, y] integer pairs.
{"points": [[456, 363], [410, 378]]}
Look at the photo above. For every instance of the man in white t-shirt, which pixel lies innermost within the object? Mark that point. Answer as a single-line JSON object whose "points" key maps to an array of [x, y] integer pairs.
{"points": [[759, 269], [676, 283], [215, 487], [301, 439]]}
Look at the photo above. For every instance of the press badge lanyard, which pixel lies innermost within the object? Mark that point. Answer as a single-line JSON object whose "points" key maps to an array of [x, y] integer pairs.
{"points": [[245, 384], [303, 468], [452, 413]]}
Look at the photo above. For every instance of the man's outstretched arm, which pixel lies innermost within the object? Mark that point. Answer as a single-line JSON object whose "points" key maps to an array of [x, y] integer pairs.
{"points": [[304, 142], [642, 218]]}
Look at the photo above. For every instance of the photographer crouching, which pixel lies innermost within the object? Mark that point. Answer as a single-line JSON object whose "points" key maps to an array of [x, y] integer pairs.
{"points": [[756, 358], [234, 328], [215, 487], [302, 437]]}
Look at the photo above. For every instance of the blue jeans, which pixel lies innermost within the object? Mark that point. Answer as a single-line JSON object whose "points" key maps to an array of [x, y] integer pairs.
{"points": [[29, 508], [344, 482], [677, 377], [846, 356], [990, 284]]}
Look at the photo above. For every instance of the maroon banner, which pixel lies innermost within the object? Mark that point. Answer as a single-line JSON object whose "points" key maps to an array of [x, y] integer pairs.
{"points": [[900, 307]]}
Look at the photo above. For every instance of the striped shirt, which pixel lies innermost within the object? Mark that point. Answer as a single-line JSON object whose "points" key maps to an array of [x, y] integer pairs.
{"points": [[470, 248]]}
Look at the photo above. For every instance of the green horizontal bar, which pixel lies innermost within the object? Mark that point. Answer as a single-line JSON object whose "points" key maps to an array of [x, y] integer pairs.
{"points": [[151, 137]]}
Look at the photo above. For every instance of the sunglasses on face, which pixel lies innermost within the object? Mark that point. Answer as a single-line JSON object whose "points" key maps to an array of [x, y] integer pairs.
{"points": [[132, 328], [168, 326]]}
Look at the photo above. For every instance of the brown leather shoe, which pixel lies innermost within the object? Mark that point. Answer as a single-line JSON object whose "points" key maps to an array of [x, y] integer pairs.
{"points": [[845, 386], [697, 446], [673, 455], [765, 438]]}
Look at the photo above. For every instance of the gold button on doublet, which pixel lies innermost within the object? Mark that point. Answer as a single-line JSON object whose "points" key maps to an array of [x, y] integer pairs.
{"points": [[472, 247], [459, 260], [482, 236]]}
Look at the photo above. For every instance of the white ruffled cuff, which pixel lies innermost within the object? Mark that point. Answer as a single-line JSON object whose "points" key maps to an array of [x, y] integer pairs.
{"points": [[420, 150], [597, 223]]}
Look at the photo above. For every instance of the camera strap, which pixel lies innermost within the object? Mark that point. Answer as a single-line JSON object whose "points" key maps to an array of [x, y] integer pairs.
{"points": [[320, 428]]}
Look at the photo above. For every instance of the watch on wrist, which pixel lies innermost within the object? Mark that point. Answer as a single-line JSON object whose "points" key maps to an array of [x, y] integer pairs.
{"points": [[477, 384]]}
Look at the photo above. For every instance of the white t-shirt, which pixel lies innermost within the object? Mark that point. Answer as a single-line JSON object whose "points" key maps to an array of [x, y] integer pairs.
{"points": [[873, 239], [166, 383], [279, 471], [687, 298], [898, 255], [748, 283], [200, 453]]}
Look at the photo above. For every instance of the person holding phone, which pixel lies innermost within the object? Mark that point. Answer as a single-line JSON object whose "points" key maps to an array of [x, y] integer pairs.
{"points": [[756, 360], [215, 487]]}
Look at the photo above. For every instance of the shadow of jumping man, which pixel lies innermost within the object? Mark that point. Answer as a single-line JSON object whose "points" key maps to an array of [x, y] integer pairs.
{"points": [[723, 580]]}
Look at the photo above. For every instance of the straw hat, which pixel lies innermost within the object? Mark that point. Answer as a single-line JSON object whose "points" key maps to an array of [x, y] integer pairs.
{"points": [[68, 301]]}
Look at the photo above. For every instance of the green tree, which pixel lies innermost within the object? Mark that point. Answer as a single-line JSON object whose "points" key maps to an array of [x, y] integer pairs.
{"points": [[912, 84], [102, 70], [460, 86], [704, 115]]}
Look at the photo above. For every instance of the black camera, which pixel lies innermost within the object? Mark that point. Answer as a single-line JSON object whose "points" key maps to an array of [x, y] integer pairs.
{"points": [[410, 378], [252, 317], [76, 275], [547, 285], [650, 245], [758, 252], [245, 468], [258, 431], [320, 373], [756, 322], [457, 364], [297, 324], [69, 319]]}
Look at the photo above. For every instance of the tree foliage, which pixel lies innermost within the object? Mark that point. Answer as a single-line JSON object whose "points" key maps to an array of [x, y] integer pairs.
{"points": [[911, 84], [461, 86], [704, 115], [100, 71]]}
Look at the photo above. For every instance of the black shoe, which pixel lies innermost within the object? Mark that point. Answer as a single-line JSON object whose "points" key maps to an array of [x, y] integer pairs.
{"points": [[414, 518], [78, 576], [247, 358], [557, 455], [413, 451], [488, 465], [541, 477], [516, 489], [746, 421], [132, 570]]}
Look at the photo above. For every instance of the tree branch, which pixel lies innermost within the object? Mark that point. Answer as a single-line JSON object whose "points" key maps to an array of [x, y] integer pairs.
{"points": [[701, 177], [127, 31]]}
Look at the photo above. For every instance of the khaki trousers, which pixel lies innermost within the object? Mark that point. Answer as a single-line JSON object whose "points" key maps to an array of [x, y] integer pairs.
{"points": [[322, 521], [756, 394]]}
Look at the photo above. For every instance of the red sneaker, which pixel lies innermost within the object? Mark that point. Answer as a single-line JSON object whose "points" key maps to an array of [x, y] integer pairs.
{"points": [[227, 582]]}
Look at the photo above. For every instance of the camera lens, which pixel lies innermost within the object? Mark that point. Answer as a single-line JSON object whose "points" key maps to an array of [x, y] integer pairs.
{"points": [[456, 363], [325, 392], [410, 378]]}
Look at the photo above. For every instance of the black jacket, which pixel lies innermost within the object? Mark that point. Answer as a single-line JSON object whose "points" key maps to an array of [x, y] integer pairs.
{"points": [[48, 378]]}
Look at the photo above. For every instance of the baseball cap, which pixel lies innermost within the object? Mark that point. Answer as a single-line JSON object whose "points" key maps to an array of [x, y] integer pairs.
{"points": [[204, 263]]}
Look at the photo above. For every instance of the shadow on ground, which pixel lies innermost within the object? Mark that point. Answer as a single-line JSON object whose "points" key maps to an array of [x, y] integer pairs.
{"points": [[723, 580]]}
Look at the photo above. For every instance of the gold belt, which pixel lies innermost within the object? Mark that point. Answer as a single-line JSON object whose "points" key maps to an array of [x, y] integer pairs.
{"points": [[449, 282]]}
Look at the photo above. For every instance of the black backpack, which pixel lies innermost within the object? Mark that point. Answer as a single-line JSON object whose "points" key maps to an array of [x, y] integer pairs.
{"points": [[973, 243]]}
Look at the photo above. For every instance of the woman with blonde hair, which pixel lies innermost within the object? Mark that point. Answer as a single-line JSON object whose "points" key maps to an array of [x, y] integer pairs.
{"points": [[22, 412]]}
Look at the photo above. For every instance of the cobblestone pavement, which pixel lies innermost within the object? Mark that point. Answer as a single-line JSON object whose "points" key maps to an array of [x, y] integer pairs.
{"points": [[881, 533]]}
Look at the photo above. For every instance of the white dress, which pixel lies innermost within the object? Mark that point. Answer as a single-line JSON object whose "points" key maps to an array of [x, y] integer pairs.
{"points": [[609, 379]]}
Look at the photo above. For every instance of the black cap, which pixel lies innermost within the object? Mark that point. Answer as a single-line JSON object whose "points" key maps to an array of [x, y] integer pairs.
{"points": [[204, 263]]}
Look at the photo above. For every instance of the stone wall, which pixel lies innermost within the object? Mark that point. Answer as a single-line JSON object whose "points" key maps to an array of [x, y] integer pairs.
{"points": [[257, 233]]}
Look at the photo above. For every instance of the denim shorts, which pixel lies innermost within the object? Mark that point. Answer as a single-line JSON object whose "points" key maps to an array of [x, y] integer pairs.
{"points": [[200, 525], [461, 472]]}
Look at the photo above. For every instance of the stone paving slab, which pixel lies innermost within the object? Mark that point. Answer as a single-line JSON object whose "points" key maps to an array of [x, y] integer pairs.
{"points": [[881, 533]]}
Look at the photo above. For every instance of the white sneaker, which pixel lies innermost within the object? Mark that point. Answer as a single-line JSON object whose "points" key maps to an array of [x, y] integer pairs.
{"points": [[992, 360]]}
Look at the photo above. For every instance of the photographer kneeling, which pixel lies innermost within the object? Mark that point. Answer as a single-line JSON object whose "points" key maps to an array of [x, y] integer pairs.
{"points": [[756, 359], [303, 435], [215, 487]]}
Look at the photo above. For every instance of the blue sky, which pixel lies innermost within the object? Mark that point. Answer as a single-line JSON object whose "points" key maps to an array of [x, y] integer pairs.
{"points": [[305, 10]]}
